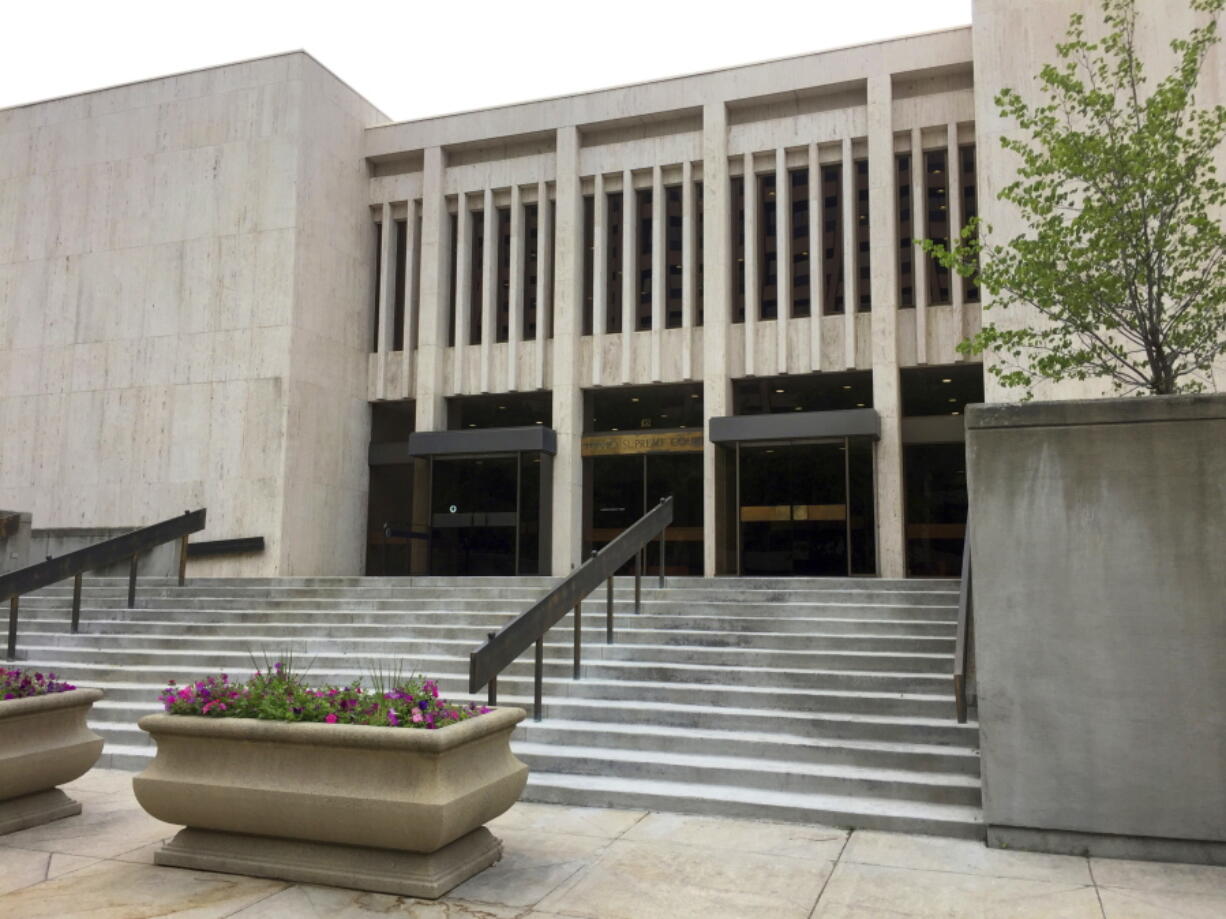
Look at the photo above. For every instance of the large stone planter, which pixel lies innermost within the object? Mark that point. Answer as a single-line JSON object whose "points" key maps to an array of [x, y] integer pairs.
{"points": [[1098, 529], [393, 810], [44, 743]]}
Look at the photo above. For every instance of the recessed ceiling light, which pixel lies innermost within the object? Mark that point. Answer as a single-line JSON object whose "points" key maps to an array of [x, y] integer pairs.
{"points": [[847, 387], [693, 395], [953, 400], [502, 408], [778, 390], [859, 405], [663, 414], [798, 408], [540, 422], [616, 429], [683, 425], [946, 380], [955, 413], [472, 425], [634, 398]]}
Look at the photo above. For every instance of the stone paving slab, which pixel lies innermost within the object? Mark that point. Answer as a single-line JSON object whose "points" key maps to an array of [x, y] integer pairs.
{"points": [[597, 863]]}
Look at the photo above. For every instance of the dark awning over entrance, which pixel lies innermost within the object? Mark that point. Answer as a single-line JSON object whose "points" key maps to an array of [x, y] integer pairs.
{"points": [[856, 422], [530, 439]]}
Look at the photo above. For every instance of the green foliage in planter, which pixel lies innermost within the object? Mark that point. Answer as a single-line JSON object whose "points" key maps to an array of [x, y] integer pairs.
{"points": [[275, 693]]}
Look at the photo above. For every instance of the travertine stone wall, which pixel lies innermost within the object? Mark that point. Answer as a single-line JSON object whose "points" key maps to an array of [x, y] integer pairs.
{"points": [[183, 295]]}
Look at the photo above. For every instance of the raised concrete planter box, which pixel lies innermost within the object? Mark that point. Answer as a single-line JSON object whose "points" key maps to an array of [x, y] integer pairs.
{"points": [[1098, 531], [44, 743], [393, 810]]}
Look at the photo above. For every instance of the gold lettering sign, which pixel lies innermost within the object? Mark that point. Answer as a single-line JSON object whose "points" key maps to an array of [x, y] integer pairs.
{"points": [[642, 442]]}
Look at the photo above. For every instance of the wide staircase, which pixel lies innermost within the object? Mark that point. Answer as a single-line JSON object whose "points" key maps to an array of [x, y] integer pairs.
{"points": [[818, 700]]}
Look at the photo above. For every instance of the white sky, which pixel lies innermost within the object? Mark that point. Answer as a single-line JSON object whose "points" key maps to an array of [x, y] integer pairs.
{"points": [[414, 59]]}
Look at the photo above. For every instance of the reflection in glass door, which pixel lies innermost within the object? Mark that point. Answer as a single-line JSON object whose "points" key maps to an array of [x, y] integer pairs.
{"points": [[485, 515], [806, 509]]}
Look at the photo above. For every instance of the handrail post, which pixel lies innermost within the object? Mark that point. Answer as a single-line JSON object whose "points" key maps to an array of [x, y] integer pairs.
{"points": [[578, 636], [538, 679], [132, 581], [638, 577], [182, 559], [662, 540], [76, 602], [493, 684], [12, 650], [608, 611]]}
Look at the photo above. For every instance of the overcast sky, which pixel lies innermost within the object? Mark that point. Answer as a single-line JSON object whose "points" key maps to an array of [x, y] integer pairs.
{"points": [[415, 59]]}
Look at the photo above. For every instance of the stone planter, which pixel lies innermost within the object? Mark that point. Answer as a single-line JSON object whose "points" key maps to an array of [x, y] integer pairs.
{"points": [[44, 743], [1100, 624], [393, 810]]}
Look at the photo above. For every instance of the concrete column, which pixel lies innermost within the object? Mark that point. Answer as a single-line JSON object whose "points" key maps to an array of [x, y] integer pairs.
{"points": [[953, 201], [851, 283], [567, 394], [687, 269], [783, 257], [817, 277], [544, 278], [411, 301], [431, 413], [630, 270], [435, 293], [919, 229], [489, 288], [751, 265], [717, 315], [600, 299], [891, 543], [516, 278], [658, 269], [463, 288]]}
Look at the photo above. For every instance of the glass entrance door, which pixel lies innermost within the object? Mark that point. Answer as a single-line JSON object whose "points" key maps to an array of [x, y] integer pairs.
{"points": [[625, 487], [806, 508], [480, 515]]}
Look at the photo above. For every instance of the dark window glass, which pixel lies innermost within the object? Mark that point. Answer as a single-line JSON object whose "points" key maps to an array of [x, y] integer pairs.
{"points": [[864, 290], [531, 271], [936, 199], [970, 208], [613, 276], [832, 238], [906, 277], [672, 258], [476, 285], [502, 304], [645, 243]]}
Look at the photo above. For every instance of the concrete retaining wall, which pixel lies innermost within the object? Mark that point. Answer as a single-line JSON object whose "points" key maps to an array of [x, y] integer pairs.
{"points": [[1098, 532]]}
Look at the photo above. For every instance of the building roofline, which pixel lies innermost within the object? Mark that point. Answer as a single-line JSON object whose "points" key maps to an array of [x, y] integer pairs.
{"points": [[677, 76], [194, 70]]}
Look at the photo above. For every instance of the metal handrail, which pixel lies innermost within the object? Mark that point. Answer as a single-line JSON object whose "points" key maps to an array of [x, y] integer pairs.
{"points": [[962, 643], [529, 628], [74, 564]]}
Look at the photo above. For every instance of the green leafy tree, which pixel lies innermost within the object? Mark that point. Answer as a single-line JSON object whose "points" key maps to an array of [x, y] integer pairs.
{"points": [[1124, 255]]}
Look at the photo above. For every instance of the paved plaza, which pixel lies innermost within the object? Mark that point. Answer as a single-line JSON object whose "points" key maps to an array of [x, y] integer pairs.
{"points": [[596, 863]]}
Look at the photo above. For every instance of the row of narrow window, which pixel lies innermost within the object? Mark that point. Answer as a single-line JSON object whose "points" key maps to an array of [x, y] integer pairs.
{"points": [[831, 261]]}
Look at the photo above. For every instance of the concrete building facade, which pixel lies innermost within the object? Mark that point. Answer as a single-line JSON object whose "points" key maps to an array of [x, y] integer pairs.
{"points": [[244, 288]]}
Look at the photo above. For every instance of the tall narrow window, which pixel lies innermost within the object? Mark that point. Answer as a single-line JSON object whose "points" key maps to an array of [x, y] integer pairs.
{"points": [[970, 208], [402, 239], [906, 247], [768, 248], [502, 318], [643, 314], [589, 259], [936, 181], [832, 237], [738, 249], [802, 292], [672, 257], [477, 283], [531, 270], [377, 287], [454, 236], [864, 285], [698, 232], [613, 271], [413, 295], [552, 254]]}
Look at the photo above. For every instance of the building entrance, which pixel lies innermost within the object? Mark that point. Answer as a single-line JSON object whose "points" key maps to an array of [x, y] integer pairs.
{"points": [[623, 487], [485, 515], [805, 508]]}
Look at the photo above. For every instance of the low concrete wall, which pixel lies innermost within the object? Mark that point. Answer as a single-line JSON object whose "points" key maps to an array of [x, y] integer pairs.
{"points": [[1098, 531]]}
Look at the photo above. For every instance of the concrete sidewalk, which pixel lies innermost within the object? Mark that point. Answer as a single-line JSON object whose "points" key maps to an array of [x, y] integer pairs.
{"points": [[596, 863]]}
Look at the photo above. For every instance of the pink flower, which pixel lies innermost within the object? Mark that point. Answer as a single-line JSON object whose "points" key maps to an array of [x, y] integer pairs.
{"points": [[417, 716], [331, 719]]}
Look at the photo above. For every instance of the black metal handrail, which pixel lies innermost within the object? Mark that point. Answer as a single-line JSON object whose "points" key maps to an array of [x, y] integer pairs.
{"points": [[75, 564], [529, 628], [962, 643]]}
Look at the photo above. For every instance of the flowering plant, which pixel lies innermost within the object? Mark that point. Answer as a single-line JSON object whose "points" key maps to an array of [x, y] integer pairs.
{"points": [[21, 684], [277, 694]]}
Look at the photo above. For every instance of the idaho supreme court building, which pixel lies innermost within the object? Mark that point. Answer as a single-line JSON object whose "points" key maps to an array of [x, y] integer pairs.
{"points": [[486, 343]]}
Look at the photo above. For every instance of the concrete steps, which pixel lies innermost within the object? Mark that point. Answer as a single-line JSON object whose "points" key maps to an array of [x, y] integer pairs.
{"points": [[798, 699]]}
